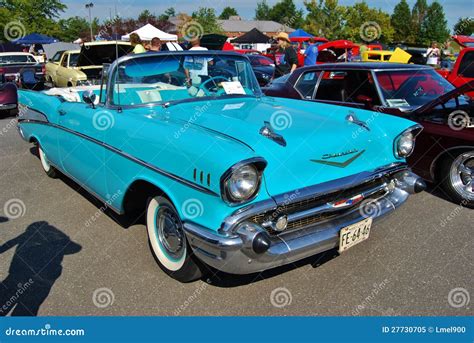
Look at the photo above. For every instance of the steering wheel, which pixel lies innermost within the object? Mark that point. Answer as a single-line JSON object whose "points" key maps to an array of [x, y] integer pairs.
{"points": [[207, 90]]}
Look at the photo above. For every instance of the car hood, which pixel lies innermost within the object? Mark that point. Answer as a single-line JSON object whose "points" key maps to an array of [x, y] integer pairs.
{"points": [[320, 143], [99, 54], [428, 107]]}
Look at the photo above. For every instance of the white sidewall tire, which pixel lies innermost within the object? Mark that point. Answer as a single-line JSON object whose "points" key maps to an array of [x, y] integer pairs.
{"points": [[44, 160], [171, 265]]}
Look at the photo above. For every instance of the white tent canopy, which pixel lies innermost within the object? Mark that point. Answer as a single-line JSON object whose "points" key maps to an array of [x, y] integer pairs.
{"points": [[148, 32]]}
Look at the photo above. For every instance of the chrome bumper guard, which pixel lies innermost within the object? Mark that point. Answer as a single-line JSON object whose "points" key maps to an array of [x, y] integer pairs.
{"points": [[236, 247]]}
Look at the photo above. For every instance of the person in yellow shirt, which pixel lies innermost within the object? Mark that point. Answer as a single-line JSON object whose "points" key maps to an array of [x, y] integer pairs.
{"points": [[137, 44]]}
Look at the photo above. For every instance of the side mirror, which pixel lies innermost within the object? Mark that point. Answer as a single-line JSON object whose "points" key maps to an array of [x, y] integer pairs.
{"points": [[89, 97], [366, 100]]}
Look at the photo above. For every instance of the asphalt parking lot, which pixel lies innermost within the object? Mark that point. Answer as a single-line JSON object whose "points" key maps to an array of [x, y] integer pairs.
{"points": [[418, 261]]}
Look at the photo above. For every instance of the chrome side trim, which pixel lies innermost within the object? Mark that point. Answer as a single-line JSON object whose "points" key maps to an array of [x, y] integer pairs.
{"points": [[128, 156]]}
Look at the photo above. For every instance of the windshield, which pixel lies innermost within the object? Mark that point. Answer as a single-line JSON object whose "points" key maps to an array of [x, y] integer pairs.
{"points": [[169, 78], [411, 88], [73, 59], [9, 59]]}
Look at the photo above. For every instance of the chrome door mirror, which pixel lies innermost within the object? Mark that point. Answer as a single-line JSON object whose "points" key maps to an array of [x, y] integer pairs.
{"points": [[89, 97]]}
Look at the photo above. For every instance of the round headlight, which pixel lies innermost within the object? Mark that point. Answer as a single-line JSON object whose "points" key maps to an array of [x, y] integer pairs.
{"points": [[243, 183], [406, 144]]}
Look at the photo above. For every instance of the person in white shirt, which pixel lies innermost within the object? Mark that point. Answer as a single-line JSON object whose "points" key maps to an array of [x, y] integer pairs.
{"points": [[433, 55], [195, 66]]}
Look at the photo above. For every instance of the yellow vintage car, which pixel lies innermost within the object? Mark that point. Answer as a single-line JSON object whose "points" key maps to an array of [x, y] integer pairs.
{"points": [[396, 56], [73, 68]]}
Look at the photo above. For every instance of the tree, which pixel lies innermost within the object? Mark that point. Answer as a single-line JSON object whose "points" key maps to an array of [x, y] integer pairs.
{"points": [[367, 24], [401, 14], [228, 12], [73, 28], [145, 17], [418, 16], [170, 12], [285, 12], [262, 12], [206, 18], [435, 26], [464, 26], [325, 18]]}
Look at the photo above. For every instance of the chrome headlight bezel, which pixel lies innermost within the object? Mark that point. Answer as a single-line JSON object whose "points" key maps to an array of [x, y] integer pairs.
{"points": [[400, 149], [258, 164]]}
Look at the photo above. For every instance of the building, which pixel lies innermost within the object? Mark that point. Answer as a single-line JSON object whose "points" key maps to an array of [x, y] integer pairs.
{"points": [[236, 26]]}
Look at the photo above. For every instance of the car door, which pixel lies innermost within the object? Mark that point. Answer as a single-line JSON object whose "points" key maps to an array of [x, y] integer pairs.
{"points": [[80, 145], [62, 72]]}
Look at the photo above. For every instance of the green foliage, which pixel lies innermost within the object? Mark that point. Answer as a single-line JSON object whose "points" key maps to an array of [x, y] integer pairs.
{"points": [[262, 12], [325, 18], [418, 17], [464, 26], [286, 13], [367, 24], [435, 26], [145, 17], [170, 12], [206, 17], [228, 12], [399, 20]]}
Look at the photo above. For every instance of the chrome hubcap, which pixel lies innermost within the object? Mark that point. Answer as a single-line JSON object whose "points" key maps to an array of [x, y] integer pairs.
{"points": [[462, 175], [170, 232]]}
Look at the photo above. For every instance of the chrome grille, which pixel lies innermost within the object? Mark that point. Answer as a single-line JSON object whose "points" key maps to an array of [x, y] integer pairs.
{"points": [[297, 207]]}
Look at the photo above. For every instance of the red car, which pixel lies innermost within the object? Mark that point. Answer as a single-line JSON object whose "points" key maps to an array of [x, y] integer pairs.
{"points": [[444, 152], [462, 71]]}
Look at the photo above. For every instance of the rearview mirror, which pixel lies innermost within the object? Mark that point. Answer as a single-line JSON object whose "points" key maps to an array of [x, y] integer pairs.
{"points": [[89, 97]]}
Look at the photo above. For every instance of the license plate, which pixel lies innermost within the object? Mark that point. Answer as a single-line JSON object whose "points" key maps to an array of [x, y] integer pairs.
{"points": [[354, 234]]}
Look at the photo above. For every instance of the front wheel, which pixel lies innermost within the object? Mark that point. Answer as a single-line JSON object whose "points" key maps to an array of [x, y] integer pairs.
{"points": [[47, 167], [168, 241], [457, 173]]}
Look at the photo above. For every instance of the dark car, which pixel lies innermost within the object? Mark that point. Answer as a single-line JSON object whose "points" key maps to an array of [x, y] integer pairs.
{"points": [[23, 69], [444, 152], [263, 67], [8, 98]]}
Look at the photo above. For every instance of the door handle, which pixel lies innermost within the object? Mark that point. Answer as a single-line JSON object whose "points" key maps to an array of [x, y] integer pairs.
{"points": [[61, 112]]}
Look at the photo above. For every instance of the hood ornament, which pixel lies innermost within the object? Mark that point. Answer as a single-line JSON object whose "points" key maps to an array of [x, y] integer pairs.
{"points": [[267, 131], [352, 118]]}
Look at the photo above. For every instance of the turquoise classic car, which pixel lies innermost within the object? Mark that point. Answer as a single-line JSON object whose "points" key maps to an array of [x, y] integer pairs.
{"points": [[226, 177]]}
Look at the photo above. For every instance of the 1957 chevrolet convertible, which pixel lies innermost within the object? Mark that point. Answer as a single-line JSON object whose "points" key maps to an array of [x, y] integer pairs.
{"points": [[228, 178]]}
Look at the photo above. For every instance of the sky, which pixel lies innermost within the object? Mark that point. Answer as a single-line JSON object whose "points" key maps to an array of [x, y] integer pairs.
{"points": [[454, 9]]}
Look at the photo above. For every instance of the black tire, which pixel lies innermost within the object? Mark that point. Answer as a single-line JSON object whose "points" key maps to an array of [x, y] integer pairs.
{"points": [[162, 218], [47, 167], [452, 179]]}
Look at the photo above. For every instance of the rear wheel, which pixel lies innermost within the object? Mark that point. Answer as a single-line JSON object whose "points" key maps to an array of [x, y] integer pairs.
{"points": [[47, 167], [168, 241], [457, 173]]}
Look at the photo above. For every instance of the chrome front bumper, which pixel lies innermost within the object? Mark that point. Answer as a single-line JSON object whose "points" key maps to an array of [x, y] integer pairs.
{"points": [[7, 107], [232, 248]]}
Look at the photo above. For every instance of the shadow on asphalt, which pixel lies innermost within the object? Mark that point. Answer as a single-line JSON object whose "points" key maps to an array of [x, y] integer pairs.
{"points": [[224, 280], [35, 267], [3, 219]]}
